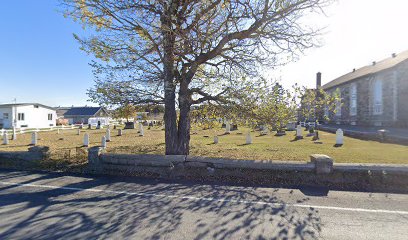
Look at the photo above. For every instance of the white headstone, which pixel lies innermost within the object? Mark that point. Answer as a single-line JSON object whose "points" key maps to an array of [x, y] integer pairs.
{"points": [[58, 131], [248, 138], [34, 137], [141, 130], [227, 127], [108, 135], [14, 133], [120, 132], [5, 138], [339, 137], [79, 131], [103, 142], [215, 139], [86, 140], [299, 131]]}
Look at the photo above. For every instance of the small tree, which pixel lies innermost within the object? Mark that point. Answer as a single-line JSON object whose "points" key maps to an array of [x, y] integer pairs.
{"points": [[316, 103], [277, 107], [126, 111]]}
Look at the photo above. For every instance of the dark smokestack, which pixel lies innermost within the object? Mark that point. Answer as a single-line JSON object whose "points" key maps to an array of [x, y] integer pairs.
{"points": [[318, 80]]}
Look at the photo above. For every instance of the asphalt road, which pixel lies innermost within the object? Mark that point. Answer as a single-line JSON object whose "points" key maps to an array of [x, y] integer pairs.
{"points": [[58, 206]]}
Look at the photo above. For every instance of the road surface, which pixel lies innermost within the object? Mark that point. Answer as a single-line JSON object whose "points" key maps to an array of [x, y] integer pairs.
{"points": [[59, 206]]}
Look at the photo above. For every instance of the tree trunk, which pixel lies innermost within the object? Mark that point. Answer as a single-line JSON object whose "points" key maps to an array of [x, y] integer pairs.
{"points": [[177, 137], [170, 114], [184, 120]]}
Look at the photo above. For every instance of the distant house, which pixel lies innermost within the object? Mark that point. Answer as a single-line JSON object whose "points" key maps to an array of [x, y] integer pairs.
{"points": [[85, 115], [374, 95], [30, 115]]}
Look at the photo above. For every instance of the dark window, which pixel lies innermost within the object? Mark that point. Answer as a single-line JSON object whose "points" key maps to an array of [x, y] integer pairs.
{"points": [[21, 117], [35, 106], [50, 116]]}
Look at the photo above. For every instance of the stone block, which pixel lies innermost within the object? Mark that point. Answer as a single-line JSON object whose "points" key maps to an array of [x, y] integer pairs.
{"points": [[323, 163]]}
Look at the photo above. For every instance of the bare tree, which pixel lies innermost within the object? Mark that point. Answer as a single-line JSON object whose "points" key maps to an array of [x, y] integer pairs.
{"points": [[188, 51]]}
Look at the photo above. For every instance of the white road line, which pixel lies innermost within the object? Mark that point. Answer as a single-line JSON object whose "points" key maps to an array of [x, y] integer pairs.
{"points": [[95, 190]]}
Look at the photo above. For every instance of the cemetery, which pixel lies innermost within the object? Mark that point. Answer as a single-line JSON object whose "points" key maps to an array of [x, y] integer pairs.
{"points": [[246, 144]]}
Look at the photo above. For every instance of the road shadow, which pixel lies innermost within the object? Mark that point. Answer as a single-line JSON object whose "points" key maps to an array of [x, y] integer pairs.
{"points": [[146, 209]]}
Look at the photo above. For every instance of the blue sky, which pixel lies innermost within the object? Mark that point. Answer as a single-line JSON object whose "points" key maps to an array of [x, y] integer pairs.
{"points": [[41, 62]]}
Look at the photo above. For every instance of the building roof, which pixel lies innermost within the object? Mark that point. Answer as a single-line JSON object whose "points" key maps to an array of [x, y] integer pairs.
{"points": [[25, 104], [367, 70], [79, 111]]}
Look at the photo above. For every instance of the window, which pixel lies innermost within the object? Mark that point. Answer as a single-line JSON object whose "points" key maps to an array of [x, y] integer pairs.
{"points": [[21, 117], [395, 98], [377, 97], [5, 115], [35, 106], [353, 99], [50, 116], [338, 104]]}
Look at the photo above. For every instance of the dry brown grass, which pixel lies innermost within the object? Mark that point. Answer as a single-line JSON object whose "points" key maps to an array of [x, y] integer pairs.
{"points": [[67, 145]]}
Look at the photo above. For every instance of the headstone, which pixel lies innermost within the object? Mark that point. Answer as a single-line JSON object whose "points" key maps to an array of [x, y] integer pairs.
{"points": [[86, 140], [103, 142], [14, 133], [215, 139], [58, 131], [141, 130], [291, 126], [264, 131], [89, 126], [129, 125], [299, 132], [119, 132], [248, 138], [34, 137], [5, 138], [99, 125], [114, 126], [108, 135], [227, 127], [339, 137], [79, 131]]}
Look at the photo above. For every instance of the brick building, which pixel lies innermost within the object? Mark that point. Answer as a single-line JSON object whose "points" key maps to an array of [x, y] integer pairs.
{"points": [[374, 95]]}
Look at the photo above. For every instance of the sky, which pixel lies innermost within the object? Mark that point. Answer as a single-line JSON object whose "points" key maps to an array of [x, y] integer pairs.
{"points": [[40, 61]]}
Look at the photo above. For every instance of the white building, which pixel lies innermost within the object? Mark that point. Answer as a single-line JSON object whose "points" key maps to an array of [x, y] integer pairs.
{"points": [[29, 115]]}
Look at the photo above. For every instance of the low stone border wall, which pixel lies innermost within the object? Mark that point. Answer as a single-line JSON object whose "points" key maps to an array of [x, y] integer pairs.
{"points": [[320, 171], [35, 153]]}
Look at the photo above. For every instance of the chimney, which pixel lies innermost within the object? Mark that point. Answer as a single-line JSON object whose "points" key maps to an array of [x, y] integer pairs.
{"points": [[354, 69], [318, 80], [394, 55], [374, 63]]}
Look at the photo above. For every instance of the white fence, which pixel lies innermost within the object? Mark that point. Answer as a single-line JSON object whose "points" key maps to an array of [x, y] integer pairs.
{"points": [[30, 130]]}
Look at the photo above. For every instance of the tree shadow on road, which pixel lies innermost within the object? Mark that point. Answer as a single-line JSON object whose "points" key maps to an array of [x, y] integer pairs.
{"points": [[147, 209]]}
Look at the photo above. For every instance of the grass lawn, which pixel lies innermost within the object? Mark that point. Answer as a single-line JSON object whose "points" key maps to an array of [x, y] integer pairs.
{"points": [[267, 147]]}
